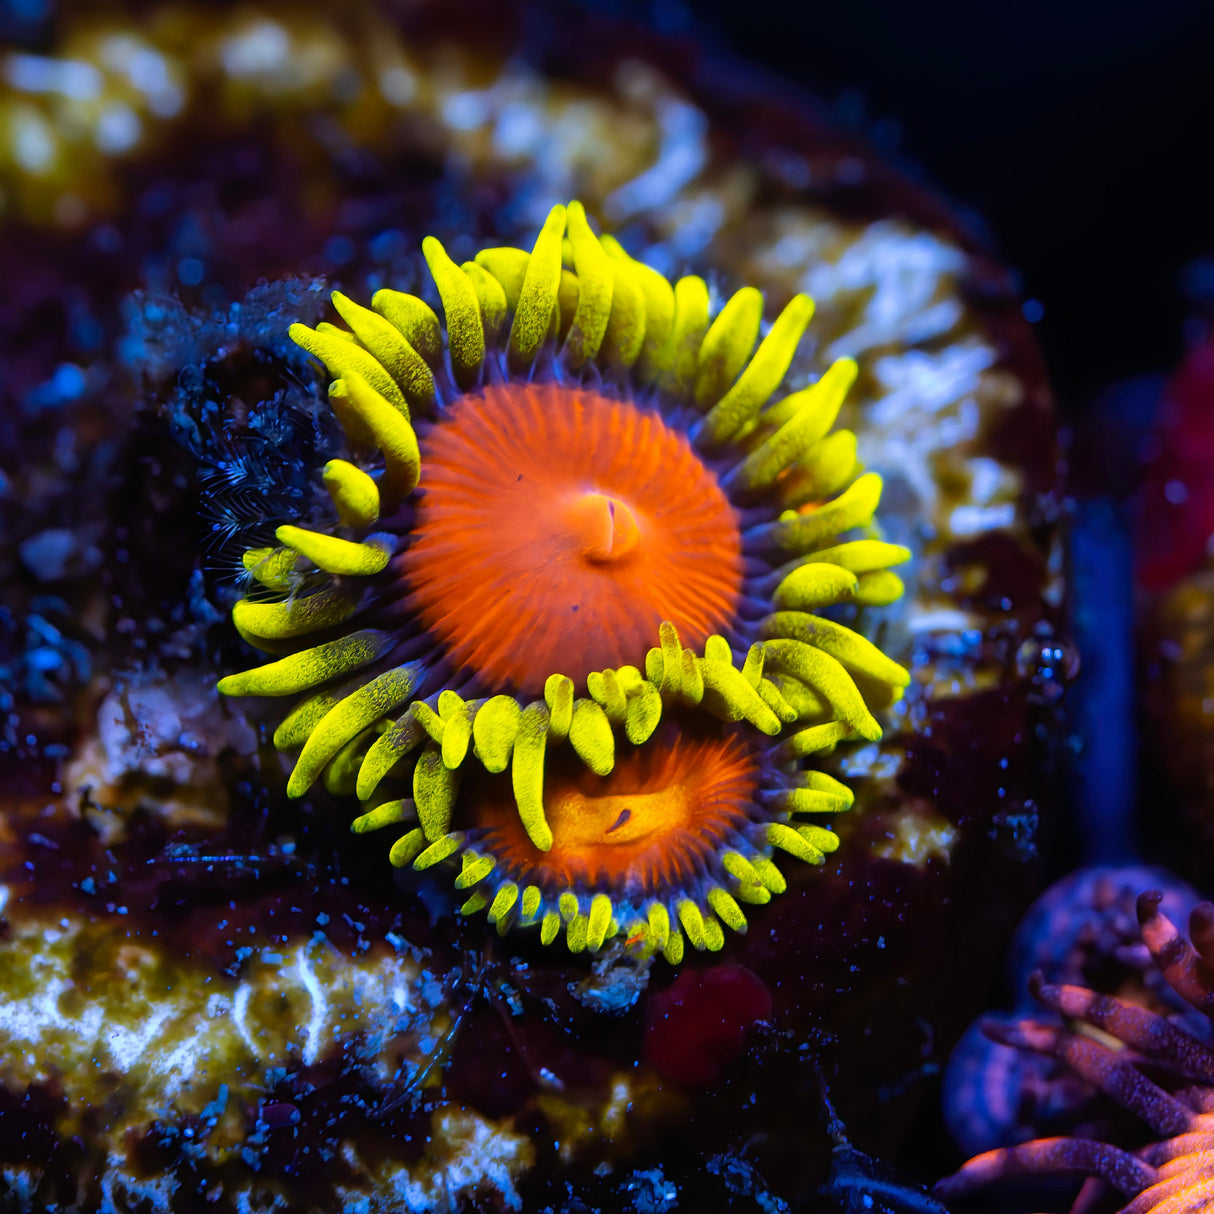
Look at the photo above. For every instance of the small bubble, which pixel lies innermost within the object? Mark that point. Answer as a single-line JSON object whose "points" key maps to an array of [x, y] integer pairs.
{"points": [[1049, 664], [1176, 492], [190, 271], [339, 250]]}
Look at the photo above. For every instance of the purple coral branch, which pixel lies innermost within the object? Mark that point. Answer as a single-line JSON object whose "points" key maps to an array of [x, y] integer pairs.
{"points": [[1189, 973], [1056, 1156], [1152, 1035]]}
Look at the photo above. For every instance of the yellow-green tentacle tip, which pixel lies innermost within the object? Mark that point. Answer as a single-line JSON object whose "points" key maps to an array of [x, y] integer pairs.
{"points": [[355, 428], [440, 850], [819, 781], [805, 704], [490, 297], [272, 567], [358, 710], [538, 294], [771, 877], [642, 714], [336, 331], [626, 323], [529, 908], [659, 926], [465, 332], [824, 470], [591, 737], [604, 687], [693, 923], [295, 617], [297, 725], [741, 404], [507, 267], [393, 434], [406, 849], [678, 360], [817, 406], [672, 658], [826, 841], [726, 908], [550, 927], [879, 588], [692, 678], [435, 787], [854, 652], [476, 868], [355, 495], [863, 556], [815, 585], [494, 729], [402, 736], [457, 727], [828, 677], [341, 557], [729, 695], [752, 667], [814, 740], [430, 721], [558, 695], [793, 842], [806, 427], [576, 933], [341, 776], [345, 358], [809, 801], [527, 772], [773, 697], [817, 793], [599, 922], [503, 902], [750, 888], [309, 668], [673, 951], [387, 814], [596, 283], [658, 296], [854, 507], [415, 320], [388, 345], [727, 345]]}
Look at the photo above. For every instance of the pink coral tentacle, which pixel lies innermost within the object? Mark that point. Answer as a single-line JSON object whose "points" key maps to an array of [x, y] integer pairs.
{"points": [[1152, 1035], [1178, 961], [1051, 1156]]}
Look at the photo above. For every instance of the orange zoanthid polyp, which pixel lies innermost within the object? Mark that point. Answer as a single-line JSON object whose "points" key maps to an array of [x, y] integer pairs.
{"points": [[572, 598], [556, 529], [606, 526], [648, 826]]}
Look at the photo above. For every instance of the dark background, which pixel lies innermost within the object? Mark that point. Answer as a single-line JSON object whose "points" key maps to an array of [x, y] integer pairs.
{"points": [[1081, 132]]}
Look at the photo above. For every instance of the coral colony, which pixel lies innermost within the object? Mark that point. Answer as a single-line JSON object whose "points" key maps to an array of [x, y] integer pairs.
{"points": [[590, 553], [1160, 1070], [576, 573]]}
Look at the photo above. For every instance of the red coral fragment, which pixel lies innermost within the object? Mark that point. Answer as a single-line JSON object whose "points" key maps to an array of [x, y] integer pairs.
{"points": [[699, 1024], [1176, 520]]}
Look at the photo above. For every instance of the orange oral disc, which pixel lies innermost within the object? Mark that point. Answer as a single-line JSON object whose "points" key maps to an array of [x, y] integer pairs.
{"points": [[653, 823], [558, 528]]}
